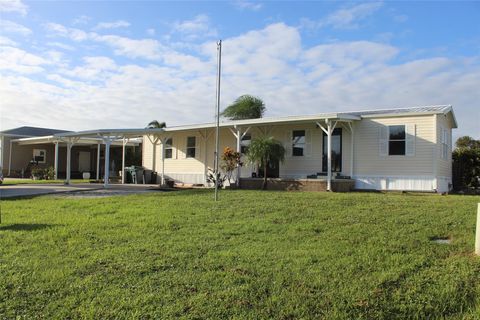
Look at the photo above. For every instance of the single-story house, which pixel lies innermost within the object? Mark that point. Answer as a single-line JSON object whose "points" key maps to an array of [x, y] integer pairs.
{"points": [[394, 149], [391, 149]]}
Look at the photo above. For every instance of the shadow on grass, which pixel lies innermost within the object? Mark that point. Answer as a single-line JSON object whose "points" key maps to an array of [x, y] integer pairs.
{"points": [[26, 226]]}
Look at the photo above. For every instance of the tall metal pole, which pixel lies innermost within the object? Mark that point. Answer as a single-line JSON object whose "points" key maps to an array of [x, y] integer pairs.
{"points": [[219, 57]]}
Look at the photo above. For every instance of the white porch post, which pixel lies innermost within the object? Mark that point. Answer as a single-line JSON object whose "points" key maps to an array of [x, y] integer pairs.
{"points": [[10, 159], [163, 140], [69, 162], [329, 155], [55, 164], [239, 140], [124, 142], [352, 137], [107, 162], [98, 161]]}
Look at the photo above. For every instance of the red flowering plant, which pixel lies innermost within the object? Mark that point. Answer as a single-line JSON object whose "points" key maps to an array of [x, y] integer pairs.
{"points": [[231, 160]]}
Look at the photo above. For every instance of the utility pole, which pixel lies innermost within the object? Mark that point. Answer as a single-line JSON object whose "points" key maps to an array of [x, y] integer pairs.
{"points": [[219, 58]]}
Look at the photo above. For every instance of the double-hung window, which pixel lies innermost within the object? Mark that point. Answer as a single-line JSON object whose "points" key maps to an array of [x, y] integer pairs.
{"points": [[169, 149], [191, 147], [298, 143], [245, 143], [396, 140]]}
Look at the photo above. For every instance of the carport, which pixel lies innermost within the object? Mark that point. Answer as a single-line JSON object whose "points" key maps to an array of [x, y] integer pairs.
{"points": [[106, 137]]}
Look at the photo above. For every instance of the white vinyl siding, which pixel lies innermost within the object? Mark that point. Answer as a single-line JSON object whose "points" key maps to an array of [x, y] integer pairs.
{"points": [[371, 147]]}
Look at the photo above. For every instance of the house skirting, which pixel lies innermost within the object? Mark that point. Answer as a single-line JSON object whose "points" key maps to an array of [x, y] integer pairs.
{"points": [[403, 183], [338, 185]]}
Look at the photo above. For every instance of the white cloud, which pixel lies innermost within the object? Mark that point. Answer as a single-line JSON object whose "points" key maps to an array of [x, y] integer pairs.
{"points": [[13, 27], [198, 27], [61, 45], [248, 5], [13, 6], [151, 32], [133, 48], [81, 20], [4, 41], [179, 88], [344, 18], [20, 61], [112, 25]]}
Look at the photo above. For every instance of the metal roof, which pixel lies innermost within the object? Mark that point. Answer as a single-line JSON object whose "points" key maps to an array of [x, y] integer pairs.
{"points": [[342, 116], [32, 132]]}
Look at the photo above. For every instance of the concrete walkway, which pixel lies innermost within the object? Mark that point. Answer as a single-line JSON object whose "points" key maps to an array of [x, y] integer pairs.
{"points": [[31, 190], [81, 190]]}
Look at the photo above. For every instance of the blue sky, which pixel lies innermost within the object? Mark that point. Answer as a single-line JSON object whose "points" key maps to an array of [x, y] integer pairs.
{"points": [[83, 65]]}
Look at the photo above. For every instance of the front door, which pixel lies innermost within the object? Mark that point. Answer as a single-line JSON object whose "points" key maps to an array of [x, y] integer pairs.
{"points": [[336, 151], [84, 161]]}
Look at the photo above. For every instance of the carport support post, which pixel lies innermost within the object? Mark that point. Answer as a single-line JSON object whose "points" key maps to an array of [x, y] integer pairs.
{"points": [[98, 161], [69, 160], [10, 159], [124, 142], [107, 162], [329, 155], [56, 160]]}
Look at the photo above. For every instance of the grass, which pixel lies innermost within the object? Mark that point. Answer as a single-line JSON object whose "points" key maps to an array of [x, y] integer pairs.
{"points": [[253, 255], [9, 181]]}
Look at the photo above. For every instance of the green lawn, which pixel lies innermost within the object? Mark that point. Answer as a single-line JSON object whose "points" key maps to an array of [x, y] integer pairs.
{"points": [[279, 255], [31, 181]]}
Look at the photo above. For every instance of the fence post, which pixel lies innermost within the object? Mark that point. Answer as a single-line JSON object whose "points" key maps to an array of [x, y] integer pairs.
{"points": [[477, 233]]}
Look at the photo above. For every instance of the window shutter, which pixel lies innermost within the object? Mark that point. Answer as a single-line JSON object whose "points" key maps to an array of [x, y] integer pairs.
{"points": [[288, 143], [383, 140], [308, 143], [197, 147], [410, 132]]}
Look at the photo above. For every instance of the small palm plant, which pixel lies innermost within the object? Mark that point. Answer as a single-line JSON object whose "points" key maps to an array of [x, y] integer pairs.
{"points": [[264, 150]]}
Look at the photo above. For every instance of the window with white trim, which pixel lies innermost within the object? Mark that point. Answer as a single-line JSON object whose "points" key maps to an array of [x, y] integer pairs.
{"points": [[169, 149], [245, 143], [191, 147], [396, 140], [40, 155], [298, 143]]}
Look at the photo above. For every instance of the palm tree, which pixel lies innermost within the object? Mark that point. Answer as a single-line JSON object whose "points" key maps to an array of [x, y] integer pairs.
{"points": [[264, 150], [156, 125], [245, 107]]}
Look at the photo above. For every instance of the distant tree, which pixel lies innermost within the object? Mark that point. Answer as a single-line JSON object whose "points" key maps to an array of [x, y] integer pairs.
{"points": [[264, 150], [466, 161], [245, 107], [467, 142], [156, 125]]}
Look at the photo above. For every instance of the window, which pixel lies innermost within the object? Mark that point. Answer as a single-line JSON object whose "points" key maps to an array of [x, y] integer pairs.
{"points": [[396, 140], [168, 149], [298, 143], [245, 143], [39, 155], [191, 142]]}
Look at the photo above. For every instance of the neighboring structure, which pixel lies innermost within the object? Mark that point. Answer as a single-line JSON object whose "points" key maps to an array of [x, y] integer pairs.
{"points": [[49, 148], [394, 149]]}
